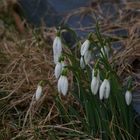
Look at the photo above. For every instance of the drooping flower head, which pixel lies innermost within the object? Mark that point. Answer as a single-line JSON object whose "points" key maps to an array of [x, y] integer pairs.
{"points": [[128, 93], [59, 67], [95, 85], [57, 48], [86, 52], [84, 47], [63, 83], [38, 92], [104, 91], [128, 97], [87, 56]]}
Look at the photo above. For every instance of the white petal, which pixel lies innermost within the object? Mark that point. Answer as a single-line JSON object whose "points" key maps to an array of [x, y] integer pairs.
{"points": [[107, 91], [128, 97], [64, 85], [94, 85], [57, 45], [57, 49], [85, 47], [38, 92], [87, 57], [104, 89], [59, 84], [58, 70], [82, 63], [101, 91]]}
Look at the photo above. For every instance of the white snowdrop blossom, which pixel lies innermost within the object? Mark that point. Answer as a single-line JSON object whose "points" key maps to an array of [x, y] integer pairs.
{"points": [[82, 63], [94, 85], [38, 92], [85, 54], [62, 85], [87, 57], [59, 84], [85, 47], [104, 89], [128, 97], [105, 51], [58, 70], [57, 49]]}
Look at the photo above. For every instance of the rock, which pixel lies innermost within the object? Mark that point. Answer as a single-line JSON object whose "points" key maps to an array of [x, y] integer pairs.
{"points": [[136, 101]]}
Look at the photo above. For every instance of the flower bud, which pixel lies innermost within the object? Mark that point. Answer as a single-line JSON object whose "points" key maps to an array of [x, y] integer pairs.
{"points": [[57, 49], [104, 89], [87, 57], [94, 85], [85, 47], [58, 70], [62, 85], [59, 84], [38, 92], [128, 97]]}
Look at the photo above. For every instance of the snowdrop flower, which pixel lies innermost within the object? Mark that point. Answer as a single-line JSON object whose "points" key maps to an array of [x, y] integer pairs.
{"points": [[87, 57], [128, 97], [94, 85], [58, 70], [84, 47], [57, 49], [105, 51], [38, 92], [62, 85], [104, 89], [82, 62], [85, 54]]}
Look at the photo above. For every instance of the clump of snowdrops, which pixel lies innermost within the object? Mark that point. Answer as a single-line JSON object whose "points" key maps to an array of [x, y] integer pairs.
{"points": [[107, 103], [86, 52]]}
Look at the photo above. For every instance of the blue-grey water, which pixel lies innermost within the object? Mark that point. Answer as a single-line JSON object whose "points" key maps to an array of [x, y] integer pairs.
{"points": [[52, 11]]}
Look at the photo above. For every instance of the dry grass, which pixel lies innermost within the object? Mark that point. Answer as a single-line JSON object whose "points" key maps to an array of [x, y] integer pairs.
{"points": [[24, 62]]}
